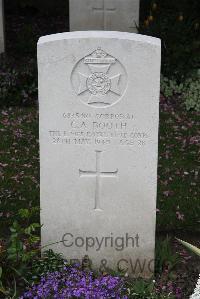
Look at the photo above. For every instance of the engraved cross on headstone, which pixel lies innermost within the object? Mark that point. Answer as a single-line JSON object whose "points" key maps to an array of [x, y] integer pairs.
{"points": [[104, 10], [97, 174]]}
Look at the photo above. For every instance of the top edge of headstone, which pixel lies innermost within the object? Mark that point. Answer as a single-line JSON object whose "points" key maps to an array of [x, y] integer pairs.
{"points": [[99, 34]]}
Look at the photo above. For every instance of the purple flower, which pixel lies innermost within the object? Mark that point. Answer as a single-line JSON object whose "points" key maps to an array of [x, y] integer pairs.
{"points": [[72, 282]]}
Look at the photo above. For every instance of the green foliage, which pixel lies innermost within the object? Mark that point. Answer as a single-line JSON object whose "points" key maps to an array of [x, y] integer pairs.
{"points": [[177, 23], [169, 87], [141, 289], [18, 252], [189, 91], [145, 289], [49, 262], [191, 94], [166, 259], [165, 262]]}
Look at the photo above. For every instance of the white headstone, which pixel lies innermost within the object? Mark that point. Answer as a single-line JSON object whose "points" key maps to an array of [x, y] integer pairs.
{"points": [[114, 15], [99, 112], [2, 45]]}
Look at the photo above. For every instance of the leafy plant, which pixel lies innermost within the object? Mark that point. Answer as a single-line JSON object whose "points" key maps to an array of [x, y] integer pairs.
{"points": [[170, 87], [188, 90], [146, 289], [18, 252], [49, 262], [191, 93], [141, 289]]}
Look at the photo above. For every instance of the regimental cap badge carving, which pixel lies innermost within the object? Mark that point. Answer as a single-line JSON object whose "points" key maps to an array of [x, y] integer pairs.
{"points": [[99, 56], [99, 79]]}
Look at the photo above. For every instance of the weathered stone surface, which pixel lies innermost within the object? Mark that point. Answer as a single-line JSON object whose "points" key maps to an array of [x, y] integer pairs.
{"points": [[114, 15], [99, 110]]}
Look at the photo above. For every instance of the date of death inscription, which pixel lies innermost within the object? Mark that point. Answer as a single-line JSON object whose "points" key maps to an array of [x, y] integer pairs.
{"points": [[98, 129]]}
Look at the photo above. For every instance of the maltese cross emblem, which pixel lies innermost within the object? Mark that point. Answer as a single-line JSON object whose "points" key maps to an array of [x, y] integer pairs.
{"points": [[98, 79]]}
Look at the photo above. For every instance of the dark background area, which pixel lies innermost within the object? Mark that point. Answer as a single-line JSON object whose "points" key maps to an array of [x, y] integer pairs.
{"points": [[33, 7], [177, 23]]}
